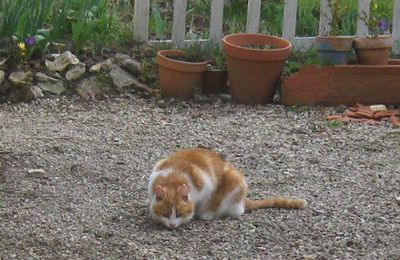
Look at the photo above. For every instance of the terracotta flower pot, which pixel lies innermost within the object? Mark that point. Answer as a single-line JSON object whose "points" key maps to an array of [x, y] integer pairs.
{"points": [[178, 79], [254, 73], [334, 50], [214, 82], [373, 51]]}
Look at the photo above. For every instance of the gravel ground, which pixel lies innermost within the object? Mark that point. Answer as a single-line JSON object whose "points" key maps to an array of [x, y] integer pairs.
{"points": [[89, 198]]}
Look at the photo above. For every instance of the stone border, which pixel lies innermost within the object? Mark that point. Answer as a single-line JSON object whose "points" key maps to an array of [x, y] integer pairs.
{"points": [[65, 73]]}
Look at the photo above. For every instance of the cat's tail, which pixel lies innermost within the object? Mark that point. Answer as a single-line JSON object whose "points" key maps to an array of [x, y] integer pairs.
{"points": [[275, 202]]}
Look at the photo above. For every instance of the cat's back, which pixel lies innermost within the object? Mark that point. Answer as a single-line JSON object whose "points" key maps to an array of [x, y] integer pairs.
{"points": [[201, 167], [198, 158]]}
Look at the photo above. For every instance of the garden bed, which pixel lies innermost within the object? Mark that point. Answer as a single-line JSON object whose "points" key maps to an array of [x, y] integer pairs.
{"points": [[343, 85]]}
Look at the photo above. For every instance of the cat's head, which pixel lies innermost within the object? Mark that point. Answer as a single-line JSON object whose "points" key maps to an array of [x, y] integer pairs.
{"points": [[172, 205]]}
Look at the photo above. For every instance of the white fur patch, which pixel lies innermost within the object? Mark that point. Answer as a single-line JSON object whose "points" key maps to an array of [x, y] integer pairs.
{"points": [[201, 197], [229, 208]]}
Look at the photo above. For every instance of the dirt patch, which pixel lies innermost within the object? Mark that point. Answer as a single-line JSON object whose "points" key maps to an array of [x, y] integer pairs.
{"points": [[74, 181]]}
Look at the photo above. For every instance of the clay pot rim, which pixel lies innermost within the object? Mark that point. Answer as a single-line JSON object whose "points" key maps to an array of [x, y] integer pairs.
{"points": [[281, 53], [266, 36], [339, 36], [385, 42], [338, 44], [163, 60]]}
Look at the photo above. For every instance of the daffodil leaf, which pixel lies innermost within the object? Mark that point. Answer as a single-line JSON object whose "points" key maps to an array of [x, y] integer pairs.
{"points": [[39, 38]]}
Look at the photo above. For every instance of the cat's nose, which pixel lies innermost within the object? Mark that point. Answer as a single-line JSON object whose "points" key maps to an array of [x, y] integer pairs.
{"points": [[172, 225]]}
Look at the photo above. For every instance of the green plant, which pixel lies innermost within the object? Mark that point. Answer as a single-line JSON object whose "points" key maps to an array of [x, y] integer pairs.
{"points": [[337, 13], [90, 22], [216, 56], [376, 20], [298, 59], [334, 123], [157, 23], [24, 22], [194, 52]]}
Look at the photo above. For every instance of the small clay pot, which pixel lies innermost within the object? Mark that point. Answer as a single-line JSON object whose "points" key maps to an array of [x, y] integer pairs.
{"points": [[373, 50], [178, 79], [334, 50], [254, 73], [214, 82]]}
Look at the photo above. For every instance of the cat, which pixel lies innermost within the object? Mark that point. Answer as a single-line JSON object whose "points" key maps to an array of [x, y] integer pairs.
{"points": [[199, 183]]}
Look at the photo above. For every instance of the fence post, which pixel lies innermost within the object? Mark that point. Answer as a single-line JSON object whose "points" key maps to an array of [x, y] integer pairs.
{"points": [[396, 27], [363, 11], [141, 20], [253, 16], [325, 18], [289, 20], [216, 20], [179, 22]]}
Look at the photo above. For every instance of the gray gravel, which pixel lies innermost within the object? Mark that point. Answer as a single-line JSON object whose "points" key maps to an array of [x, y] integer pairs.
{"points": [[73, 179]]}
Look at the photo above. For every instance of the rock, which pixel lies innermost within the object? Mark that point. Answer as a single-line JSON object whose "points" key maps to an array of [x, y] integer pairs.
{"points": [[62, 61], [126, 62], [25, 94], [2, 76], [76, 72], [102, 66], [37, 173], [4, 85], [21, 78], [56, 88], [50, 84], [36, 92], [121, 78], [93, 88], [394, 255], [42, 77], [378, 108]]}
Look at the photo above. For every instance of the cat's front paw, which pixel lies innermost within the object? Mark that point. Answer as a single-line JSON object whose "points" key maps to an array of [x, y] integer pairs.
{"points": [[207, 216]]}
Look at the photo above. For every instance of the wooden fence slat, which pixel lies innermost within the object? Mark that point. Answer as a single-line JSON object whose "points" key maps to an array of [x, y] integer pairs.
{"points": [[396, 26], [179, 22], [141, 20], [216, 20], [253, 16], [289, 20], [363, 10], [325, 18]]}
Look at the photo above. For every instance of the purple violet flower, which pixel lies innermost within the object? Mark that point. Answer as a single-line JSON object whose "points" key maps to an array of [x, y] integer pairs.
{"points": [[383, 25], [30, 41]]}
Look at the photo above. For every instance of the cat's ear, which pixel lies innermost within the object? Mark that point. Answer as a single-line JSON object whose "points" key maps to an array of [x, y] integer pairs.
{"points": [[159, 192], [184, 192]]}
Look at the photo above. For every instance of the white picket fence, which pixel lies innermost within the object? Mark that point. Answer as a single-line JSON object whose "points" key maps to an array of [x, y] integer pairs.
{"points": [[142, 9]]}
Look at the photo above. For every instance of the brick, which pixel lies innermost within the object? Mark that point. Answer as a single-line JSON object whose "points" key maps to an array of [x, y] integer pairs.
{"points": [[395, 121], [343, 85]]}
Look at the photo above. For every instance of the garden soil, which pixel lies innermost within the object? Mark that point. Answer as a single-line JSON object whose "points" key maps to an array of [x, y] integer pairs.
{"points": [[73, 180]]}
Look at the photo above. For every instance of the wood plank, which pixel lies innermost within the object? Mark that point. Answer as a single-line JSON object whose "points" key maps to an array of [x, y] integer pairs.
{"points": [[253, 16], [216, 20], [179, 22], [396, 26], [141, 20], [363, 10], [325, 18], [289, 20]]}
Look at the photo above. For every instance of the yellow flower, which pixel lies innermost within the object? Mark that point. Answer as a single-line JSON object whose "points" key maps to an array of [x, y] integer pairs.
{"points": [[22, 46]]}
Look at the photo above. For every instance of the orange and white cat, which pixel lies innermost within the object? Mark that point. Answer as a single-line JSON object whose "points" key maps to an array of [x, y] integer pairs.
{"points": [[200, 183]]}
